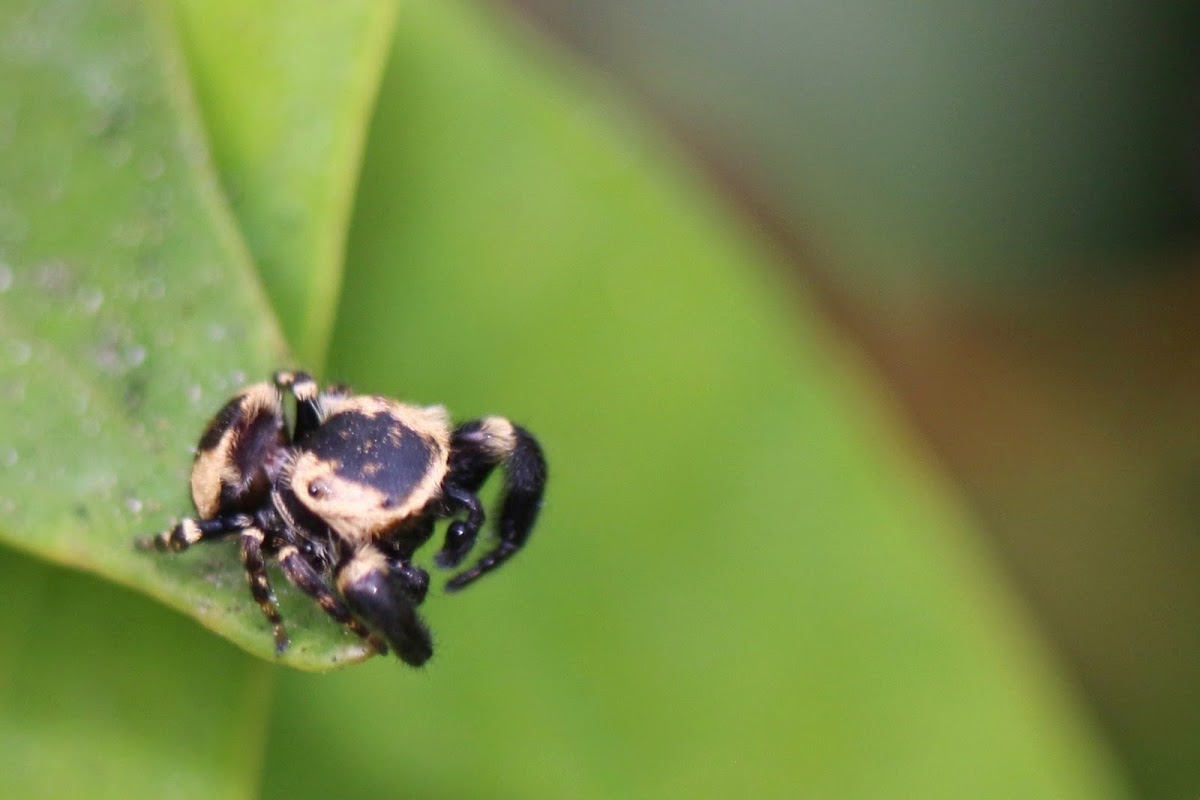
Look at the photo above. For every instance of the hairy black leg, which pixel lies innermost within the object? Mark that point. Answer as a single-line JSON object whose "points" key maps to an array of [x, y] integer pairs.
{"points": [[260, 584], [478, 447], [413, 579], [302, 575], [379, 596], [461, 535], [410, 577], [188, 532], [304, 389]]}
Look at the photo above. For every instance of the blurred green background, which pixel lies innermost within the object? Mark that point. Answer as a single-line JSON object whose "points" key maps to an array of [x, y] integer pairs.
{"points": [[872, 459]]}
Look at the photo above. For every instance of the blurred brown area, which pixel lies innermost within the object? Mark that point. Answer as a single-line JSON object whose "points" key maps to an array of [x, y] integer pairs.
{"points": [[1070, 421], [1059, 389]]}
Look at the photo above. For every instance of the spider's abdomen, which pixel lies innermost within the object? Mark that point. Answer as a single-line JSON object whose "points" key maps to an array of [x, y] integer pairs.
{"points": [[239, 452], [371, 464]]}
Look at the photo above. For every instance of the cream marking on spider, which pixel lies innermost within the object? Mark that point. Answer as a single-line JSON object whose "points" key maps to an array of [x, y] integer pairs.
{"points": [[356, 511], [497, 436], [213, 468], [304, 390], [190, 531], [365, 561]]}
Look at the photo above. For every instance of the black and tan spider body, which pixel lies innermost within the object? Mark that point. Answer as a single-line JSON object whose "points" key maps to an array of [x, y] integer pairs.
{"points": [[350, 493]]}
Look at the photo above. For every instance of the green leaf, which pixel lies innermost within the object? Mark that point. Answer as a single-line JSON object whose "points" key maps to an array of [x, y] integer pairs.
{"points": [[286, 90], [101, 190], [746, 580], [130, 310], [104, 695]]}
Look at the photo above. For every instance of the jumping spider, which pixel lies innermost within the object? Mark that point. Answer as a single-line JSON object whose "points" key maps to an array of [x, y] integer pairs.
{"points": [[350, 495]]}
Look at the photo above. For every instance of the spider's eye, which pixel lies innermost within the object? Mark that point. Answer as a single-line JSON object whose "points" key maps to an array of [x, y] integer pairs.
{"points": [[318, 489]]}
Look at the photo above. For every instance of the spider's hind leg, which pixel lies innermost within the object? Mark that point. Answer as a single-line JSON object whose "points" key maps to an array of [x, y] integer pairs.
{"points": [[189, 531], [305, 390]]}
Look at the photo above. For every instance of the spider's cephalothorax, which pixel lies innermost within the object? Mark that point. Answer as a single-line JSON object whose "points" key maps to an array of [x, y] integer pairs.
{"points": [[350, 495]]}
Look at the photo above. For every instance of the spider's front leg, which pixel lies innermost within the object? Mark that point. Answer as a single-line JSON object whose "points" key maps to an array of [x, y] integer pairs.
{"points": [[378, 591], [476, 449], [398, 549], [307, 579], [462, 533], [255, 565]]}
